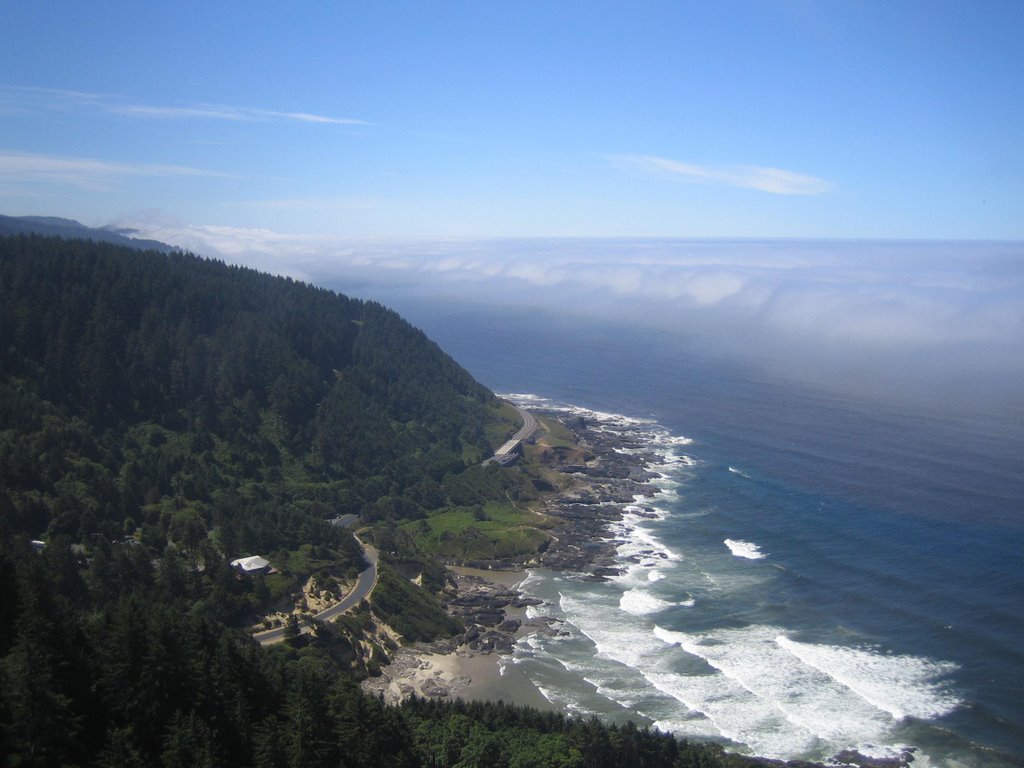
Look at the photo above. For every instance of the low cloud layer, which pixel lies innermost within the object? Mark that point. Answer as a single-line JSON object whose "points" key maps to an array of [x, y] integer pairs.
{"points": [[850, 311]]}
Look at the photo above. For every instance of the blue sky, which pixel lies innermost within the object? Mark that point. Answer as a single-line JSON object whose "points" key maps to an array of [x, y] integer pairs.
{"points": [[479, 119]]}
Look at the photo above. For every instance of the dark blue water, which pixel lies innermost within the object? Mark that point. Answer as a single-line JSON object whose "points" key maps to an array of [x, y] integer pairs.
{"points": [[887, 560]]}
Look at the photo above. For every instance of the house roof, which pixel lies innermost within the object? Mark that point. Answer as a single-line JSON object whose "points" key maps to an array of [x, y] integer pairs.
{"points": [[252, 563]]}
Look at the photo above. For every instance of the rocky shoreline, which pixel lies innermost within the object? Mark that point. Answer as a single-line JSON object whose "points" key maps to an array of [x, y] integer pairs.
{"points": [[609, 472], [606, 472], [494, 614]]}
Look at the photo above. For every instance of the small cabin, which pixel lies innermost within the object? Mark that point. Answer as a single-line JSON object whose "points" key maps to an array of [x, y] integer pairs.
{"points": [[251, 565]]}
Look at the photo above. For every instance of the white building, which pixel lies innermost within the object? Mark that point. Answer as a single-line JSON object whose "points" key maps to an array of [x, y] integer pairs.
{"points": [[251, 565]]}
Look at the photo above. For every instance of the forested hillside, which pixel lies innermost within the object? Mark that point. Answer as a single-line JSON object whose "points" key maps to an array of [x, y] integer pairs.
{"points": [[163, 414], [136, 386]]}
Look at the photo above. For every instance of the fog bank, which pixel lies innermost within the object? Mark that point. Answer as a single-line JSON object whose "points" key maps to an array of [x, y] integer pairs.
{"points": [[918, 318]]}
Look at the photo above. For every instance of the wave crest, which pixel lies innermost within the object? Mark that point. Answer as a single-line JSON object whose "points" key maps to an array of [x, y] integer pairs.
{"points": [[745, 549]]}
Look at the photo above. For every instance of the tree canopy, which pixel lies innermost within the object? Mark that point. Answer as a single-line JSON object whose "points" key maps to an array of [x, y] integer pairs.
{"points": [[161, 414], [169, 396]]}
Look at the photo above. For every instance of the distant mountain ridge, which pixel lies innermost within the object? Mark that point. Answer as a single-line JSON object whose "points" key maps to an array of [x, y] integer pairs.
{"points": [[55, 226]]}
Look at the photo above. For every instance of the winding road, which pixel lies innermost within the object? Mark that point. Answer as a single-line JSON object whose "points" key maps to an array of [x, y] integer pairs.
{"points": [[365, 583], [528, 428], [367, 579]]}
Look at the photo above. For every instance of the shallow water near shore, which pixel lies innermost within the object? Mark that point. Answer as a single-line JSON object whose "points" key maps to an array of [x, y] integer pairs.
{"points": [[820, 572], [778, 622]]}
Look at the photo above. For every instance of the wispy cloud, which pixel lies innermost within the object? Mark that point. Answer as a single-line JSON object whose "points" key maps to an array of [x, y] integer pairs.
{"points": [[85, 172], [28, 98], [221, 112], [54, 97], [776, 181]]}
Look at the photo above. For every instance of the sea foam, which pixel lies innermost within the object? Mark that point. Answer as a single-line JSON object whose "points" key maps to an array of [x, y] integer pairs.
{"points": [[841, 695], [640, 602], [744, 549], [903, 686], [754, 688]]}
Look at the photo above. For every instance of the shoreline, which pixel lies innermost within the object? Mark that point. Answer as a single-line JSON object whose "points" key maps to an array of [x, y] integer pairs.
{"points": [[614, 480], [447, 669], [605, 474]]}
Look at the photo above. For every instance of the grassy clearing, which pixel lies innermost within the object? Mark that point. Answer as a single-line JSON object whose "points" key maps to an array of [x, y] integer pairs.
{"points": [[556, 434], [493, 530]]}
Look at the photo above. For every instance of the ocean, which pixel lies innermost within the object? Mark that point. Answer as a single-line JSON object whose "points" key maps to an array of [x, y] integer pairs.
{"points": [[817, 571]]}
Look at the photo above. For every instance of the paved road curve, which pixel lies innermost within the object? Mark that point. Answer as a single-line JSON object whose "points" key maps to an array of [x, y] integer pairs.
{"points": [[368, 578], [365, 583], [528, 428]]}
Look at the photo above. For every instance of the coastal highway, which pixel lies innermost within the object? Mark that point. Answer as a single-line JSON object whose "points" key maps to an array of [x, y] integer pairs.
{"points": [[528, 428], [364, 585], [368, 578]]}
